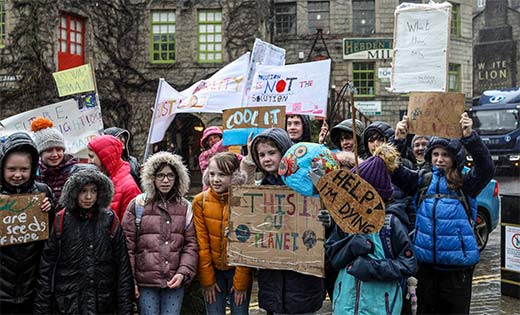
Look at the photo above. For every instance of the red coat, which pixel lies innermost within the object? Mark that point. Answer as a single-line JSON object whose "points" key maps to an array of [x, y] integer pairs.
{"points": [[109, 150]]}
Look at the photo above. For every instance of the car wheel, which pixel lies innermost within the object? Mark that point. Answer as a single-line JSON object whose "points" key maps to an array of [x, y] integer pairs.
{"points": [[481, 229]]}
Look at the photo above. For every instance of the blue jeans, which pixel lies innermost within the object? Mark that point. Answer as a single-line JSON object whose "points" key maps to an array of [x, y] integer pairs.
{"points": [[225, 283], [154, 301]]}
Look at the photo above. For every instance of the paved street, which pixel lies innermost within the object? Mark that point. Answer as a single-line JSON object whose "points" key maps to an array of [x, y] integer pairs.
{"points": [[486, 297]]}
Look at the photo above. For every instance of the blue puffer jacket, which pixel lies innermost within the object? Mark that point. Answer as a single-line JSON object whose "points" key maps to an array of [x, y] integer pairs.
{"points": [[444, 236], [370, 273]]}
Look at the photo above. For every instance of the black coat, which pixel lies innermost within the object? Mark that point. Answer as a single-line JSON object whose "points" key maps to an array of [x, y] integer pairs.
{"points": [[92, 268], [19, 264]]}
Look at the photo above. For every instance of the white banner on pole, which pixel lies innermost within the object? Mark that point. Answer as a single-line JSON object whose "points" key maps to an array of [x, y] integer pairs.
{"points": [[302, 88], [164, 110], [421, 38], [78, 126], [222, 91]]}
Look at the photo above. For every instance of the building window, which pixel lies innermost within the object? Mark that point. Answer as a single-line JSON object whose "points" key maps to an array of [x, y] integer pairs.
{"points": [[72, 42], [2, 22], [455, 19], [319, 12], [210, 36], [363, 17], [454, 78], [364, 74], [285, 18], [163, 37]]}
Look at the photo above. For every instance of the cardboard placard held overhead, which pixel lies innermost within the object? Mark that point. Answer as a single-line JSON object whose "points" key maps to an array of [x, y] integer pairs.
{"points": [[240, 122], [353, 203], [22, 220], [435, 114], [274, 227]]}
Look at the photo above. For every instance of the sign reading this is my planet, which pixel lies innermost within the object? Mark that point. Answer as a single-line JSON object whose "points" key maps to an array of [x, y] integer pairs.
{"points": [[353, 203]]}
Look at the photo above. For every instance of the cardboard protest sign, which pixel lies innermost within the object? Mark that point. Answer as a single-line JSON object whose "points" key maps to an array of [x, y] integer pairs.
{"points": [[75, 80], [78, 124], [22, 220], [223, 90], [435, 114], [273, 227], [240, 122], [353, 203], [302, 88], [420, 56]]}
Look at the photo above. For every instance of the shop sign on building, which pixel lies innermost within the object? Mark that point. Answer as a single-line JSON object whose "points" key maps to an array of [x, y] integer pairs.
{"points": [[369, 108], [384, 74], [367, 48]]}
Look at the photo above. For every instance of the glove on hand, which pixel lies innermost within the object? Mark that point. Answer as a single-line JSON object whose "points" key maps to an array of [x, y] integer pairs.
{"points": [[324, 218]]}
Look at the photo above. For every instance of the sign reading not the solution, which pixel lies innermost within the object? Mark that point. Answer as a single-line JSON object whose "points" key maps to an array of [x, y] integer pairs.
{"points": [[435, 114], [353, 203], [274, 227], [22, 220], [240, 122]]}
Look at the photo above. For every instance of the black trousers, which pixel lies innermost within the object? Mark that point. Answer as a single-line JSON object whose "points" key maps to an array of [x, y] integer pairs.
{"points": [[443, 291]]}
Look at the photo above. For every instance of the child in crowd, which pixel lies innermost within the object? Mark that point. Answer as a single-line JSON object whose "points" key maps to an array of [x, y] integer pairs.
{"points": [[211, 211], [444, 241], [105, 152], [282, 291], [372, 267], [124, 136], [298, 127], [162, 245], [85, 267], [211, 144], [19, 263], [55, 164]]}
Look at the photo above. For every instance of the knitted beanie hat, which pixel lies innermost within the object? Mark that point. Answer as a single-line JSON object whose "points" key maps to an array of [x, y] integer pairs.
{"points": [[45, 136], [376, 169]]}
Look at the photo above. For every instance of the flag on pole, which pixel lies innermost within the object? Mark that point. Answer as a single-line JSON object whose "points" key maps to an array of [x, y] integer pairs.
{"points": [[74, 81], [166, 102]]}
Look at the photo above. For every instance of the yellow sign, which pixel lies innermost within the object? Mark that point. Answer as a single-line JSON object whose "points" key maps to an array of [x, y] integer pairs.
{"points": [[74, 81]]}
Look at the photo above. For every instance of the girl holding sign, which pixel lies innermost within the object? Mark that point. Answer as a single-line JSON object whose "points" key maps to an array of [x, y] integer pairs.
{"points": [[211, 213], [19, 263], [444, 241]]}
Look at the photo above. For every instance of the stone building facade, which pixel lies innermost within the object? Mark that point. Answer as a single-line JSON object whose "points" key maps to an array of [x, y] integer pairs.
{"points": [[496, 37], [133, 43], [363, 22]]}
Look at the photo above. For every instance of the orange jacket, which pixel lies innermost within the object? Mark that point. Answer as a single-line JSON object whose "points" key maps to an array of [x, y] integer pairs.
{"points": [[210, 225]]}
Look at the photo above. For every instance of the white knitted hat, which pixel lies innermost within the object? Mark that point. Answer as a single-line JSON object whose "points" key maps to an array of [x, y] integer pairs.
{"points": [[45, 136]]}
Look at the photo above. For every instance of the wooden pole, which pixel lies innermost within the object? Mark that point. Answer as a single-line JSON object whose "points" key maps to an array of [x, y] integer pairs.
{"points": [[354, 134]]}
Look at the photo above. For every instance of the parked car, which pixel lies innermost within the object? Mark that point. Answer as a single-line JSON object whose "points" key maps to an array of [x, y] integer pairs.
{"points": [[488, 210]]}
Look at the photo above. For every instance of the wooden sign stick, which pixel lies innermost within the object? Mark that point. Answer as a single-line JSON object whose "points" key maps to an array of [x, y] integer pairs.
{"points": [[354, 134]]}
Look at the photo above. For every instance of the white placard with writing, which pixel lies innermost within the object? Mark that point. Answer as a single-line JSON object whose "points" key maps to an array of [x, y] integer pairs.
{"points": [[421, 38]]}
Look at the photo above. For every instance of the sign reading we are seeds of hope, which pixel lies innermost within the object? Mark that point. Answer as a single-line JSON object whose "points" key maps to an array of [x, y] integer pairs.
{"points": [[78, 125], [273, 227], [22, 220], [353, 203], [435, 114], [240, 122], [302, 88]]}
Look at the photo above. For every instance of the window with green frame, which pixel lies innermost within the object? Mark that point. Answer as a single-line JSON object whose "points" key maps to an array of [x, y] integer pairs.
{"points": [[455, 19], [210, 36], [364, 74], [162, 43], [2, 22], [454, 78]]}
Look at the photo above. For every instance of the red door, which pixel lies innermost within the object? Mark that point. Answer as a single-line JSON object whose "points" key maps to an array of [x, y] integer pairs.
{"points": [[72, 42]]}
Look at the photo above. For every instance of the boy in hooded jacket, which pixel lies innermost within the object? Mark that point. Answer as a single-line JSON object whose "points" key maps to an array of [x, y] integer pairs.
{"points": [[105, 152], [373, 266], [19, 263], [124, 136], [282, 291], [85, 267], [162, 244]]}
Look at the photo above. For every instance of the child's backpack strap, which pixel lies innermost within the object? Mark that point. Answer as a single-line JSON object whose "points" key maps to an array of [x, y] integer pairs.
{"points": [[115, 225], [58, 223], [386, 236]]}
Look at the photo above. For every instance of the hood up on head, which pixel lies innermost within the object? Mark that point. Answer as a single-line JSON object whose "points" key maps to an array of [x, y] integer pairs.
{"points": [[78, 180], [150, 168]]}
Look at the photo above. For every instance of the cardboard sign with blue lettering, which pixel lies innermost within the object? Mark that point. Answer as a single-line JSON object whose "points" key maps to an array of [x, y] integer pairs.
{"points": [[240, 122]]}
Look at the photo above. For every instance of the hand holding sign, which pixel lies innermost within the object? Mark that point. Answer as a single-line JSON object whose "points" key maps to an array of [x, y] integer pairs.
{"points": [[353, 203]]}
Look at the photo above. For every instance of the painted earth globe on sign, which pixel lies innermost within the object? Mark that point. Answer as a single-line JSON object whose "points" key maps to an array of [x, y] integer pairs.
{"points": [[301, 159]]}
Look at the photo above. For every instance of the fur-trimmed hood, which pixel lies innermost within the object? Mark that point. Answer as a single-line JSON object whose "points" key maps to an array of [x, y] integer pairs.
{"points": [[78, 180], [182, 182]]}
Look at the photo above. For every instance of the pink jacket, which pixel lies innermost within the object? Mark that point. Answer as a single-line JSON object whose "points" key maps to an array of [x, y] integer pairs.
{"points": [[109, 149]]}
